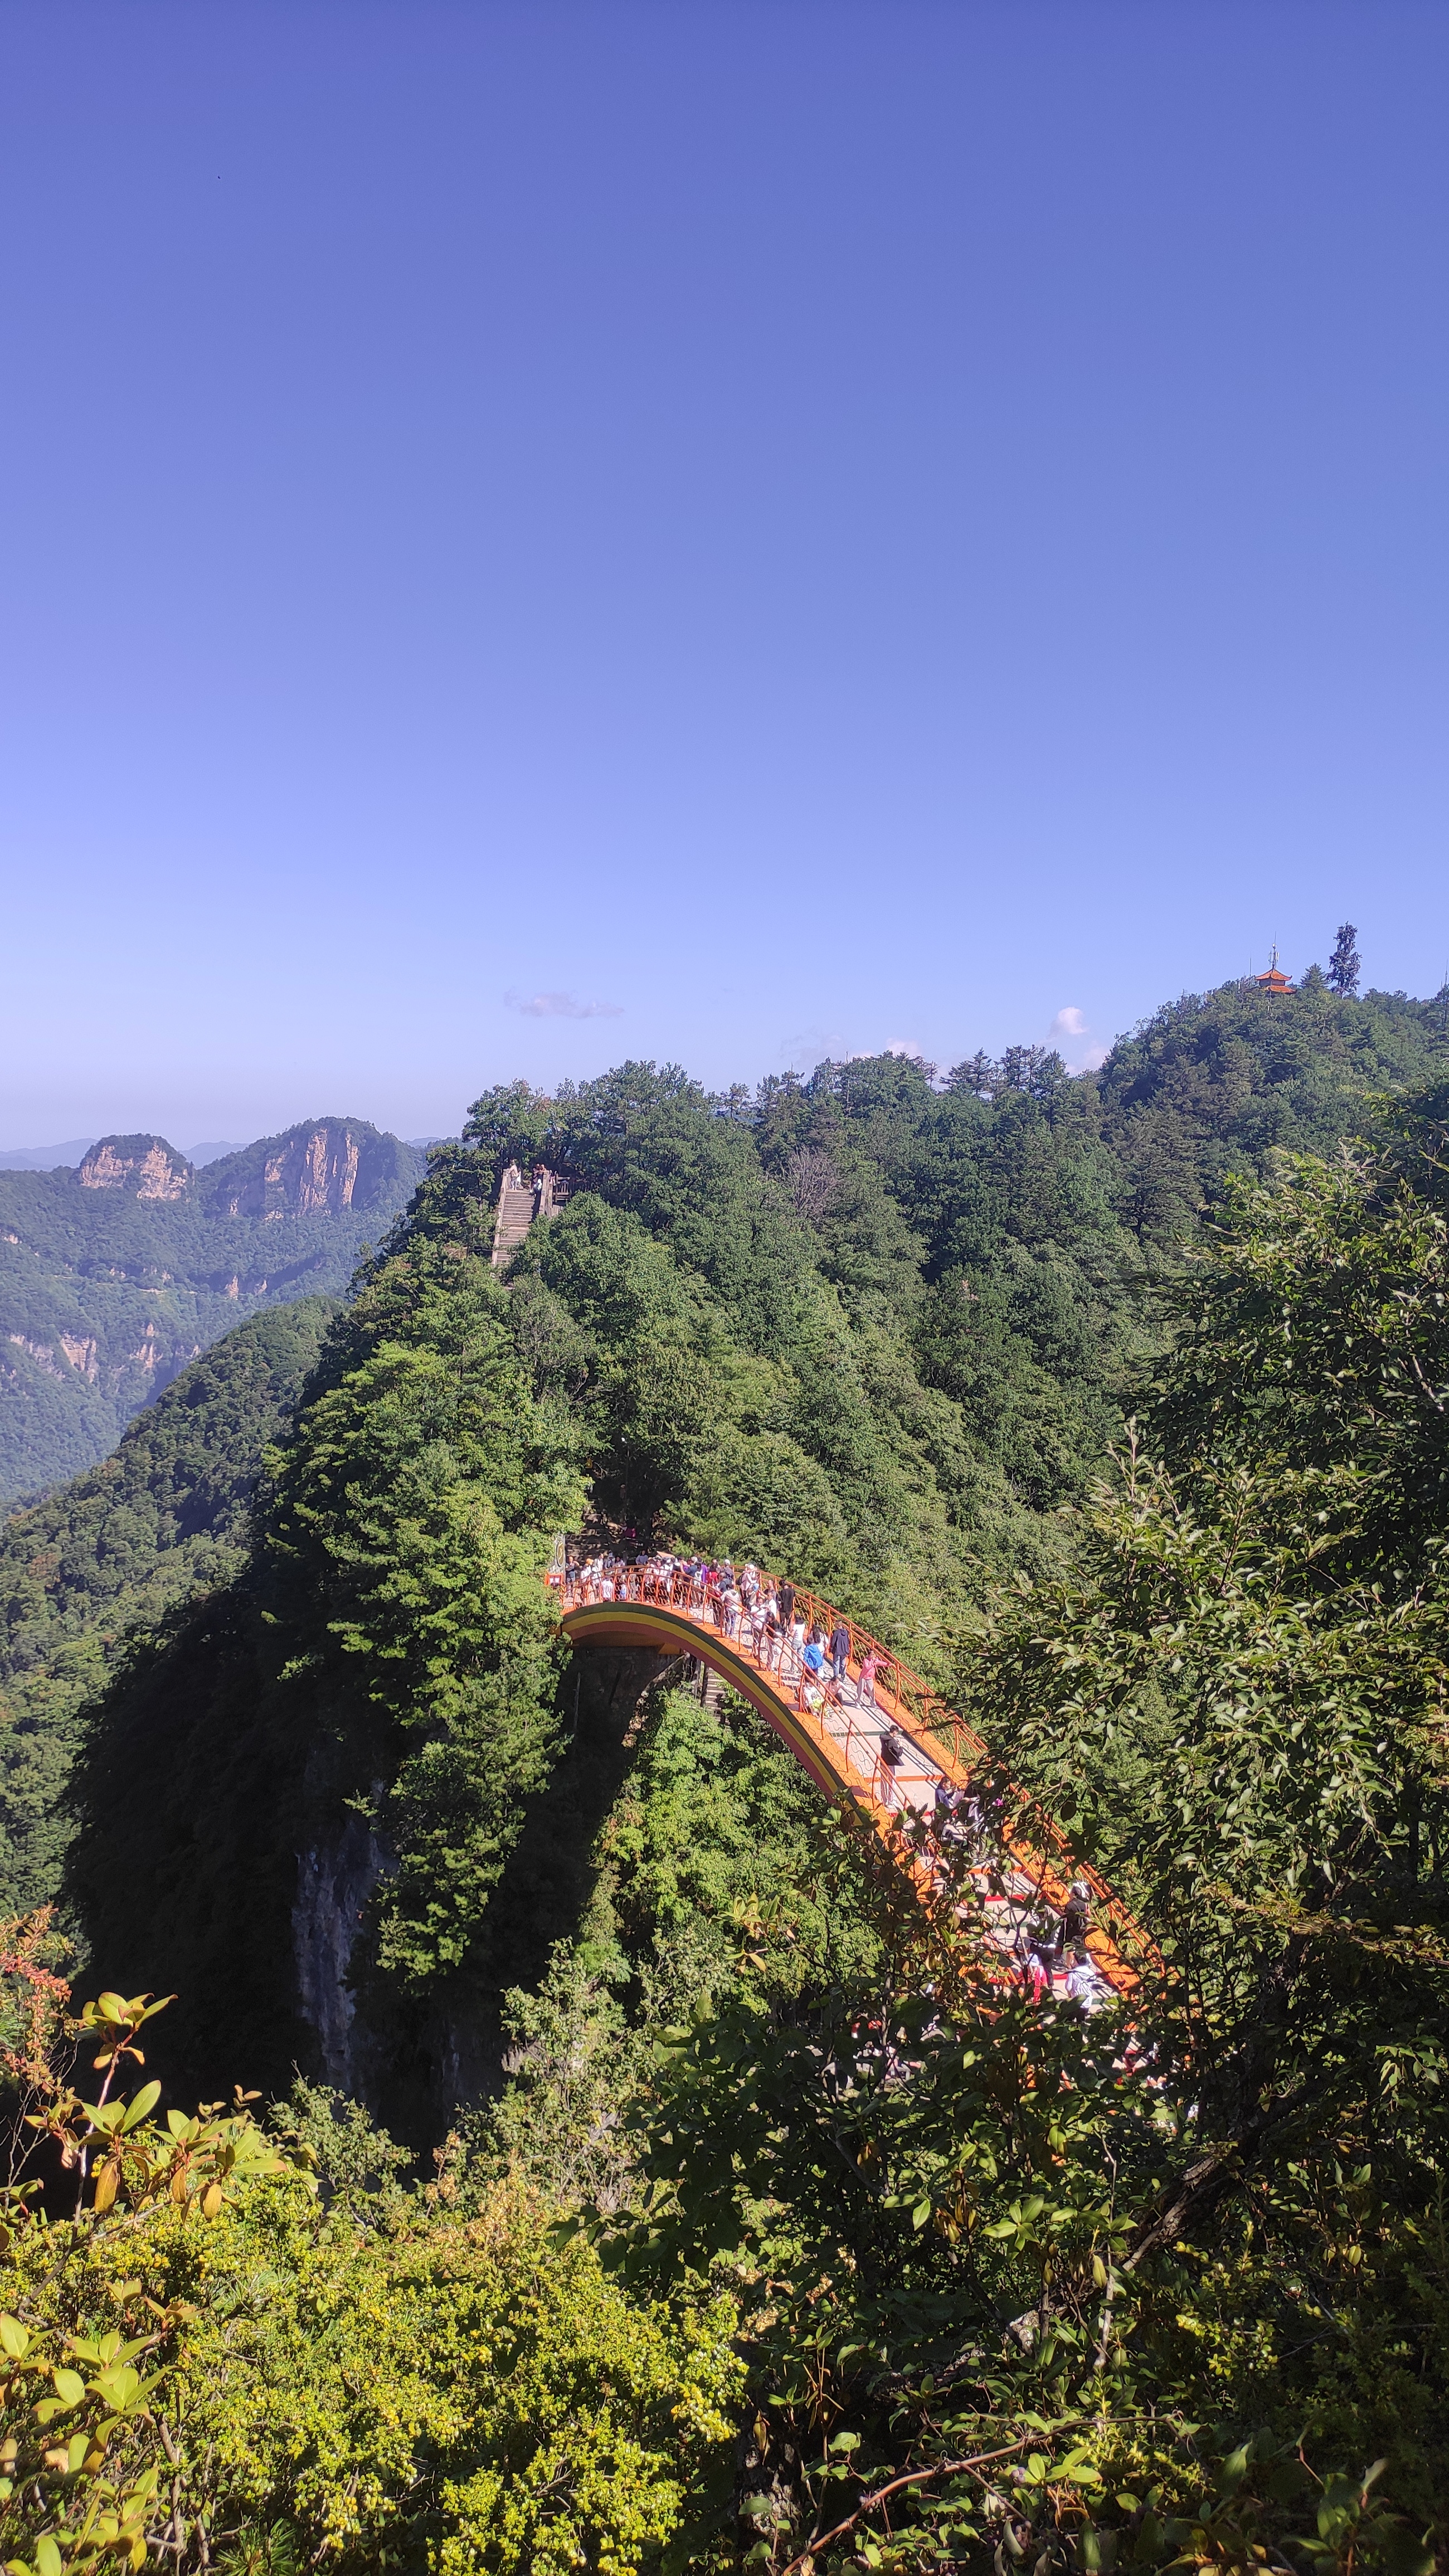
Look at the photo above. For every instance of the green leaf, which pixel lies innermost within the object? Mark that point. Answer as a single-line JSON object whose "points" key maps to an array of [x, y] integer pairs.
{"points": [[143, 2105], [1235, 2467]]}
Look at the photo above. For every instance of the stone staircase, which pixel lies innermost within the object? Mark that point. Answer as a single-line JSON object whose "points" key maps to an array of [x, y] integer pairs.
{"points": [[521, 1198]]}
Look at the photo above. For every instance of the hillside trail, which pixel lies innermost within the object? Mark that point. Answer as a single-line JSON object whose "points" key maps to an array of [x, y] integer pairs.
{"points": [[521, 1198], [841, 1733]]}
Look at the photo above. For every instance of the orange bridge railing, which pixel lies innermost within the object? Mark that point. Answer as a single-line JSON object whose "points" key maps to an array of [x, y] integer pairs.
{"points": [[835, 1727]]}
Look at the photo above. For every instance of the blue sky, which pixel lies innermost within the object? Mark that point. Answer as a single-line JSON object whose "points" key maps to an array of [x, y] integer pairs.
{"points": [[730, 533]]}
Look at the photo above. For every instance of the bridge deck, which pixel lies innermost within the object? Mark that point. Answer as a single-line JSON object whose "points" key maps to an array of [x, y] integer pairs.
{"points": [[834, 1731]]}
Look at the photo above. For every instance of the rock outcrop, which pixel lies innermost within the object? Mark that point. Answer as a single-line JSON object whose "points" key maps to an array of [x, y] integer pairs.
{"points": [[299, 1176], [335, 1881], [320, 1168], [145, 1165]]}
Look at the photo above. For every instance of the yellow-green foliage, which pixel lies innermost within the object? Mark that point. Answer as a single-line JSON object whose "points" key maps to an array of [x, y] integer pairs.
{"points": [[455, 2392]]}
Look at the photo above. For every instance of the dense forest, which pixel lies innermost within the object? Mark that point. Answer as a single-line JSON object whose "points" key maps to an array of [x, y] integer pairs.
{"points": [[164, 1518], [117, 1274], [651, 2180]]}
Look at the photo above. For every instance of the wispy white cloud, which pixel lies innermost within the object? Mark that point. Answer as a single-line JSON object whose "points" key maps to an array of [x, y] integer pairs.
{"points": [[814, 1046], [1070, 1034], [562, 1006]]}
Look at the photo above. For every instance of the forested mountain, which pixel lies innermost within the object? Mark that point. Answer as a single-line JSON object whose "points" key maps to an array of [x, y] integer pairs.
{"points": [[763, 2226], [1211, 1084], [161, 1520], [871, 1327], [113, 1276]]}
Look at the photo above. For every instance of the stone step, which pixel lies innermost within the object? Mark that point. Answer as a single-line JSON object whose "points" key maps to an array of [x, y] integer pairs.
{"points": [[519, 1202]]}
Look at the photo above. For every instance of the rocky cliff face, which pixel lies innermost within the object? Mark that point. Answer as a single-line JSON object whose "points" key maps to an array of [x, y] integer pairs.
{"points": [[335, 1880], [320, 1168], [158, 1358], [305, 1174], [145, 1165]]}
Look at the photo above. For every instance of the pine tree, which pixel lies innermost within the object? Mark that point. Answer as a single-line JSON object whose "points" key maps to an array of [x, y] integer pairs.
{"points": [[1343, 965]]}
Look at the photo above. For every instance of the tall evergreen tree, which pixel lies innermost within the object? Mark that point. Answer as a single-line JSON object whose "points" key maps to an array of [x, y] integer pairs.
{"points": [[1343, 965]]}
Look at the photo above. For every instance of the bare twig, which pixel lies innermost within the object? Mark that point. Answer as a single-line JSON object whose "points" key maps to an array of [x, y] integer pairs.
{"points": [[1437, 1401], [912, 2477], [1199, 2190]]}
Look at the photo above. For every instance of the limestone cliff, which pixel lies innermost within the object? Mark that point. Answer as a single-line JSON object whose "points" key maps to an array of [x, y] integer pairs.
{"points": [[319, 1168], [146, 1166]]}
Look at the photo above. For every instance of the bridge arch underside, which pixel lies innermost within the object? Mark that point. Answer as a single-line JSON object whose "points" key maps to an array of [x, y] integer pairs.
{"points": [[640, 1624]]}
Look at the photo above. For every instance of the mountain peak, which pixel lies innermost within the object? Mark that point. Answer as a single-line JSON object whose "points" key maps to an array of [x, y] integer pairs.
{"points": [[320, 1166], [146, 1166]]}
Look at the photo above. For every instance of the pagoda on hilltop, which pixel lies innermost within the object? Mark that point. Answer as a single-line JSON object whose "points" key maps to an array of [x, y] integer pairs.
{"points": [[1274, 981]]}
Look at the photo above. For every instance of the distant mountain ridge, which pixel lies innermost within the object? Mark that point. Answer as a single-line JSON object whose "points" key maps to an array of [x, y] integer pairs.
{"points": [[115, 1274], [324, 1164], [65, 1157]]}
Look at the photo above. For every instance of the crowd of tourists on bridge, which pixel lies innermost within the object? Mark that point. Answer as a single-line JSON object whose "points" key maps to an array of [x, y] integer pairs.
{"points": [[765, 1617], [812, 1657], [748, 1607]]}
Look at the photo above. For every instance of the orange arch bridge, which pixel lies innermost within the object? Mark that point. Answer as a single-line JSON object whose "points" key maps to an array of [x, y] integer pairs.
{"points": [[834, 1728]]}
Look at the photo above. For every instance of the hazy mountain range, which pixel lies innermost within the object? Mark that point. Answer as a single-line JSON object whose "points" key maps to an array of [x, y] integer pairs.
{"points": [[50, 1158]]}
